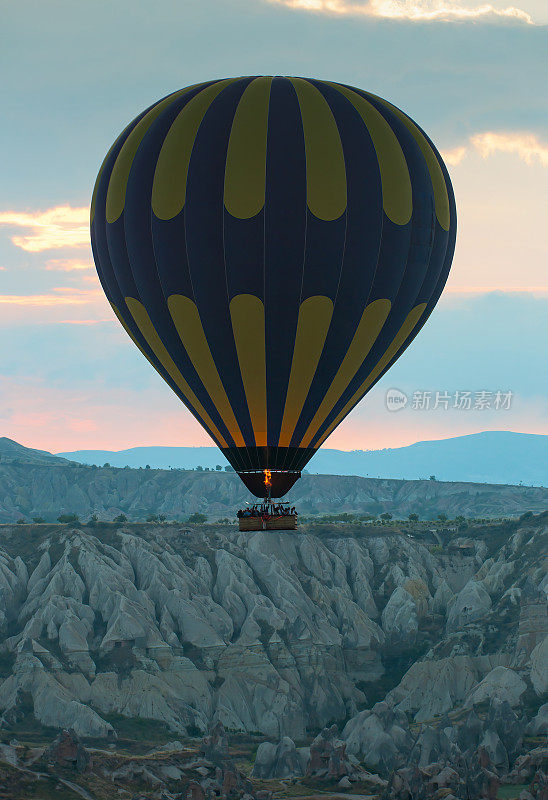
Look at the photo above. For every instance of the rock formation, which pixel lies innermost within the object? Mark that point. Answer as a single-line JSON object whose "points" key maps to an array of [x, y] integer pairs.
{"points": [[270, 633]]}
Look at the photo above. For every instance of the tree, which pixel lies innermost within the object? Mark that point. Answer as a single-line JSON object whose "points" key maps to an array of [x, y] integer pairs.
{"points": [[228, 468], [38, 520], [93, 520], [432, 478], [162, 517], [197, 518], [68, 519], [120, 518], [199, 469], [413, 517], [106, 465], [21, 521], [218, 468], [460, 519], [147, 466], [442, 517], [386, 517], [152, 518]]}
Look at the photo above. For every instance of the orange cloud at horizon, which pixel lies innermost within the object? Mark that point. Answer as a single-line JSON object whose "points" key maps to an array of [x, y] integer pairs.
{"points": [[67, 265], [53, 229], [411, 10], [40, 415], [70, 296]]}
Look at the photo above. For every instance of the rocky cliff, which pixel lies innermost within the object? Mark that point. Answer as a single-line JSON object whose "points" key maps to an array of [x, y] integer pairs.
{"points": [[29, 489], [270, 633]]}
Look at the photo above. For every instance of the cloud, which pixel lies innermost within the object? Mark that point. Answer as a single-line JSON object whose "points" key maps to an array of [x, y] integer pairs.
{"points": [[412, 10], [525, 145], [68, 296], [67, 265], [83, 321], [535, 290], [454, 156], [53, 229]]}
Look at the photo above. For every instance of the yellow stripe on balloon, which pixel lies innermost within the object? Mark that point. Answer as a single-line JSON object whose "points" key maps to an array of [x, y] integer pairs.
{"points": [[248, 325], [404, 332], [116, 193], [370, 325], [441, 197], [245, 173], [149, 333], [186, 318], [397, 195], [325, 167], [312, 326], [98, 180], [169, 185]]}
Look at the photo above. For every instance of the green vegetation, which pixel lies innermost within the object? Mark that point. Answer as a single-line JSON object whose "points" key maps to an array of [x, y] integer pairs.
{"points": [[120, 518], [197, 518], [511, 792], [149, 731], [69, 519], [7, 660]]}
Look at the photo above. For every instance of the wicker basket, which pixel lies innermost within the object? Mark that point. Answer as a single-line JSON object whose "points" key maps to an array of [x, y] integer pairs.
{"points": [[282, 523]]}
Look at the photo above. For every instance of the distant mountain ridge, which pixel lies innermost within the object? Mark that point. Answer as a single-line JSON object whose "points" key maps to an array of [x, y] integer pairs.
{"points": [[488, 457], [12, 452]]}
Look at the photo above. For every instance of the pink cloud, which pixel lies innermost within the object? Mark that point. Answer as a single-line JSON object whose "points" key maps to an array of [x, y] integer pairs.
{"points": [[38, 414]]}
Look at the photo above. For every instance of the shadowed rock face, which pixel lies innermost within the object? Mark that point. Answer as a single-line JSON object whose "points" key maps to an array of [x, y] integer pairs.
{"points": [[272, 632]]}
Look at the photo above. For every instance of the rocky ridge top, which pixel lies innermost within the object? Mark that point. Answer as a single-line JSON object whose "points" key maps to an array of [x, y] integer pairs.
{"points": [[48, 490]]}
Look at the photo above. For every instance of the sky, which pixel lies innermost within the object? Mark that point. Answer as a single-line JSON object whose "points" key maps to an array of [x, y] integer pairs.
{"points": [[472, 73]]}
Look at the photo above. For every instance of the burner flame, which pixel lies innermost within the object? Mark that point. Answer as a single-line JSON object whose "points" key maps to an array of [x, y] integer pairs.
{"points": [[267, 478]]}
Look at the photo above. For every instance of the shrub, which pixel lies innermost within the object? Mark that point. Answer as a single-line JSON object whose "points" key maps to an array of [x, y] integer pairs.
{"points": [[197, 518], [68, 519]]}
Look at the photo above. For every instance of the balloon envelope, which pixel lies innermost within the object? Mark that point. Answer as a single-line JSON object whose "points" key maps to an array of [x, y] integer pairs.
{"points": [[272, 246]]}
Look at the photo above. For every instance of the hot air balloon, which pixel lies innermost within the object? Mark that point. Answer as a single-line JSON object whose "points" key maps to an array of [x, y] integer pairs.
{"points": [[272, 246]]}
